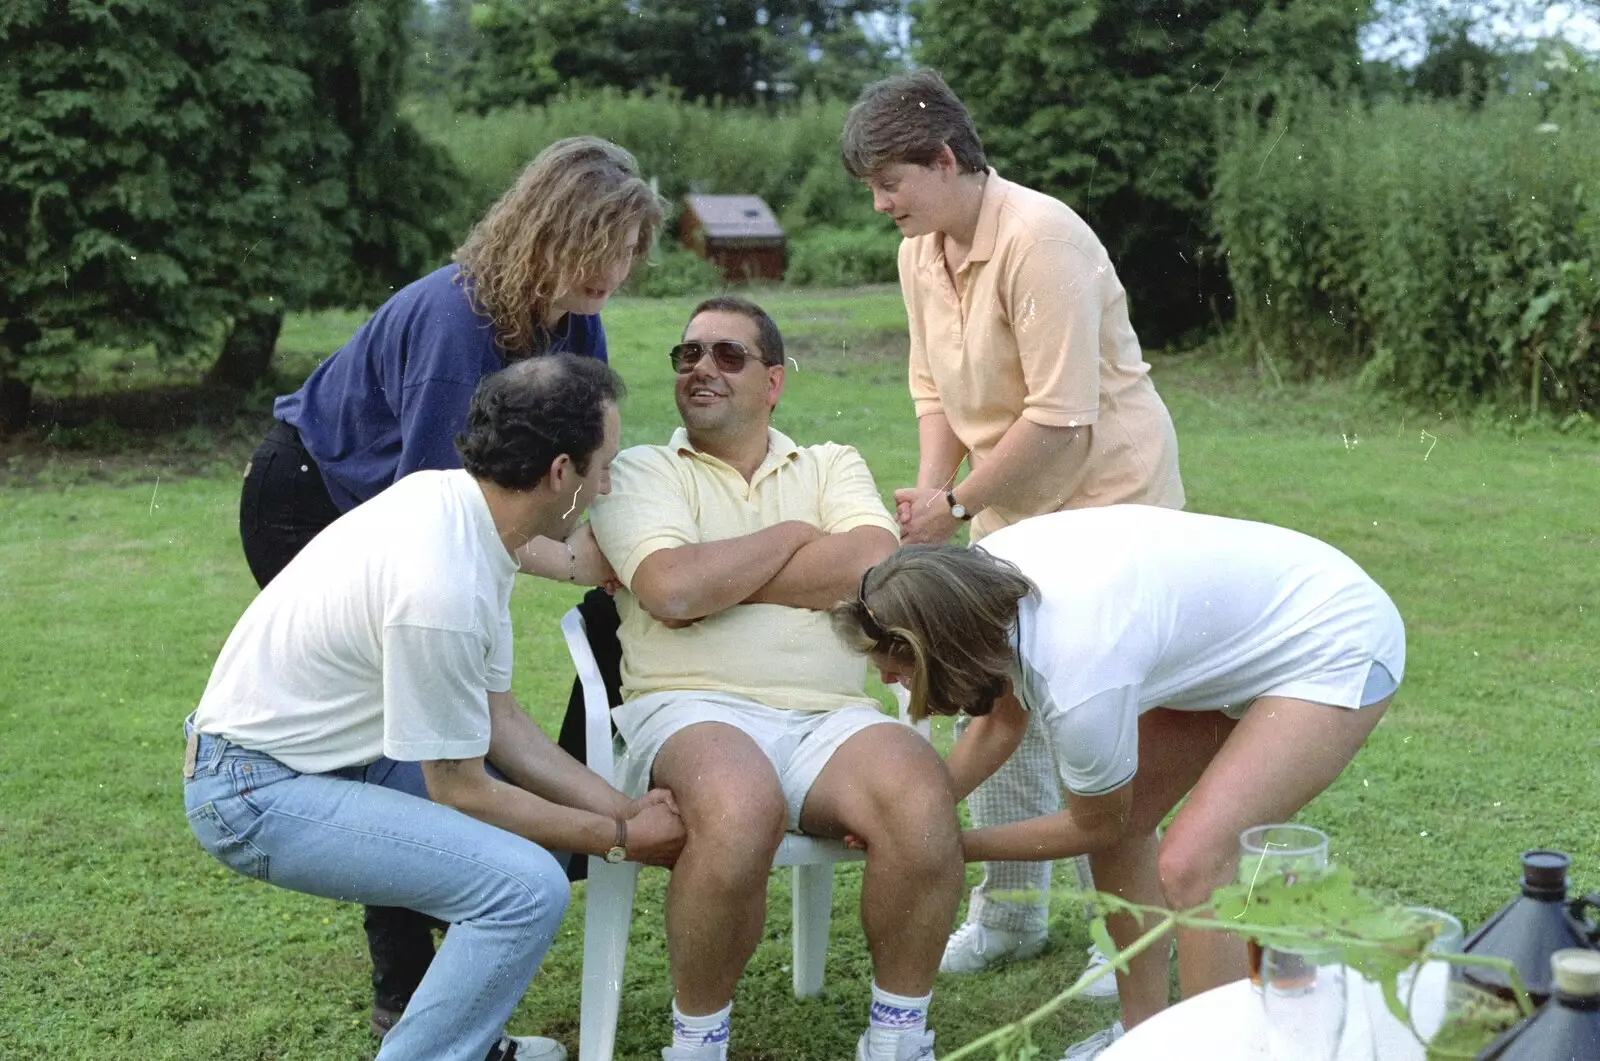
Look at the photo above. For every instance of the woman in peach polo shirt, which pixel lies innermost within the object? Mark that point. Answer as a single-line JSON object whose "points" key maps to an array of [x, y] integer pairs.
{"points": [[1025, 366]]}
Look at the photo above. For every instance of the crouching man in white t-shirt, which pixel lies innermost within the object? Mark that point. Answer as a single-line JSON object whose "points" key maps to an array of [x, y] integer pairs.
{"points": [[389, 635]]}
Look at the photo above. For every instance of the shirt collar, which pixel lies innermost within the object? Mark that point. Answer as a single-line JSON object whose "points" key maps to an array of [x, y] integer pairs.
{"points": [[995, 192], [780, 450]]}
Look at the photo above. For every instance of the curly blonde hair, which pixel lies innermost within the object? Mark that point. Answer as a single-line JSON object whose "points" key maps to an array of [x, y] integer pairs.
{"points": [[558, 226]]}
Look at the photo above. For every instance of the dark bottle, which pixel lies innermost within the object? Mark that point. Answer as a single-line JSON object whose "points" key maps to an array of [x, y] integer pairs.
{"points": [[1567, 1028], [1529, 929]]}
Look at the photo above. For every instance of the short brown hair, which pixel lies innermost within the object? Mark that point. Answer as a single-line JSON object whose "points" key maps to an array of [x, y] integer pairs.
{"points": [[767, 334], [907, 119], [556, 227], [946, 612]]}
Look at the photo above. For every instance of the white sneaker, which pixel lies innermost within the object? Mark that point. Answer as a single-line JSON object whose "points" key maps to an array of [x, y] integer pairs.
{"points": [[531, 1048], [914, 1046], [1090, 1048], [708, 1052], [1104, 988], [974, 947]]}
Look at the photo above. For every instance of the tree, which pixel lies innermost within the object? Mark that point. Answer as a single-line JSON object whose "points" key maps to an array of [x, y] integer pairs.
{"points": [[744, 51], [1109, 105], [393, 182], [175, 172]]}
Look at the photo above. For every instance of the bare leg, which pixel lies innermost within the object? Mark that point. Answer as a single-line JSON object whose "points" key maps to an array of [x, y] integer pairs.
{"points": [[889, 787], [1128, 870], [1282, 754], [734, 814], [1174, 748]]}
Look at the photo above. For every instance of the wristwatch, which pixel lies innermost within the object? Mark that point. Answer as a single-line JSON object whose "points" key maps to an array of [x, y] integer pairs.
{"points": [[619, 847], [957, 509]]}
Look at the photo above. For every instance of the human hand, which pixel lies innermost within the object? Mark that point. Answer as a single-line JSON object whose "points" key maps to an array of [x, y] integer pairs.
{"points": [[854, 842], [674, 624], [656, 835], [924, 516], [649, 799]]}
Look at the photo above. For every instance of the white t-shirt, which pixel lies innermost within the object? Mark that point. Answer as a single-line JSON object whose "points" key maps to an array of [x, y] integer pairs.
{"points": [[383, 637], [1142, 607]]}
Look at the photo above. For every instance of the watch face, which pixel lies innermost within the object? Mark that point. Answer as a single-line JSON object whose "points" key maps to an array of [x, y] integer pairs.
{"points": [[959, 511], [615, 855]]}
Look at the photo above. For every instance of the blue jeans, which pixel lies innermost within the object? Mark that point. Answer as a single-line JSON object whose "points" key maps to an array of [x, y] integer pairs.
{"points": [[343, 839]]}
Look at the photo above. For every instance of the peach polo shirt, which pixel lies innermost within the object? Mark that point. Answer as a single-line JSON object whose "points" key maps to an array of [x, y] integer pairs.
{"points": [[1038, 328]]}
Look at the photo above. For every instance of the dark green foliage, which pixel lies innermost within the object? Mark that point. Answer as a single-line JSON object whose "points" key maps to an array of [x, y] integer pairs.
{"points": [[1456, 66], [789, 157], [172, 166], [1449, 252], [673, 272], [844, 257], [530, 51], [1109, 105]]}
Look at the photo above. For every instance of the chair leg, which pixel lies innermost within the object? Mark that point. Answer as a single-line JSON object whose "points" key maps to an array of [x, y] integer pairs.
{"points": [[608, 911], [813, 913]]}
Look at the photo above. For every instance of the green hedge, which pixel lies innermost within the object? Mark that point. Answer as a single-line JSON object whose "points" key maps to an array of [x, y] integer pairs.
{"points": [[1445, 251], [844, 257], [789, 157]]}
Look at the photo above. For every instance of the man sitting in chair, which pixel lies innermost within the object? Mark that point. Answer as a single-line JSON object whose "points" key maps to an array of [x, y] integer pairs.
{"points": [[740, 698]]}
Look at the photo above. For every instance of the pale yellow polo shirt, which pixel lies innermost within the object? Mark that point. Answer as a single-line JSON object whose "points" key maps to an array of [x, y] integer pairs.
{"points": [[1038, 329], [666, 496]]}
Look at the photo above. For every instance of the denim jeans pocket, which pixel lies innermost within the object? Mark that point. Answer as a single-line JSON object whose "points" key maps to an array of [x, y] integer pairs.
{"points": [[252, 774], [224, 844]]}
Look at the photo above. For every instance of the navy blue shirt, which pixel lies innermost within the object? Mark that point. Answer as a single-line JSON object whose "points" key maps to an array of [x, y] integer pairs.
{"points": [[392, 399]]}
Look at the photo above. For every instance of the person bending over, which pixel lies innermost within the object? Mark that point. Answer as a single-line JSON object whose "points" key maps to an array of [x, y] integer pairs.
{"points": [[1169, 654]]}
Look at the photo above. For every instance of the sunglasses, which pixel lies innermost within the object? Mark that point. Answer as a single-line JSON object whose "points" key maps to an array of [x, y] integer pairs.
{"points": [[730, 356]]}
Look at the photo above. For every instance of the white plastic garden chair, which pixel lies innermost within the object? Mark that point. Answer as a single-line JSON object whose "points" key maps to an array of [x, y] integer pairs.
{"points": [[608, 905]]}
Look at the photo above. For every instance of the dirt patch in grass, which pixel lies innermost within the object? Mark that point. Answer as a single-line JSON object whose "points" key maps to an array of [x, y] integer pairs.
{"points": [[839, 352]]}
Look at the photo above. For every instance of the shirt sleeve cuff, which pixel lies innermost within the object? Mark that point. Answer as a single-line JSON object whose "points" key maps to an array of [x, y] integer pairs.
{"points": [[428, 751], [1047, 417], [640, 552]]}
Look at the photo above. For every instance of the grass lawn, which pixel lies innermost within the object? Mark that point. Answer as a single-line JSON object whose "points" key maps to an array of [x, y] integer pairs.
{"points": [[120, 938]]}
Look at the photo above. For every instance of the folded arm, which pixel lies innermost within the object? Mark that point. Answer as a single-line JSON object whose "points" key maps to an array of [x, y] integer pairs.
{"points": [[689, 582], [827, 570]]}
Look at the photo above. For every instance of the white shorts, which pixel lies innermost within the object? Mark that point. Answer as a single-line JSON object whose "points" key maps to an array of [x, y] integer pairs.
{"points": [[798, 743]]}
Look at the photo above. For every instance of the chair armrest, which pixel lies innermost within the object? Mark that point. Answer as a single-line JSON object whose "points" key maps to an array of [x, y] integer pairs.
{"points": [[596, 707]]}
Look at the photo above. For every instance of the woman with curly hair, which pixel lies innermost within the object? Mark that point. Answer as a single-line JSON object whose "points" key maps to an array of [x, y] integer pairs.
{"points": [[531, 279], [1169, 654]]}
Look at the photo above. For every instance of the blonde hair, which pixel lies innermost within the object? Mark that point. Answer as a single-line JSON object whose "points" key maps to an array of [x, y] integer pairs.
{"points": [[945, 612], [558, 226]]}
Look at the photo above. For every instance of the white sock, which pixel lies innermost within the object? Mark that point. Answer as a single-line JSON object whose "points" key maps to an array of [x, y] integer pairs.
{"points": [[708, 1033], [891, 1017]]}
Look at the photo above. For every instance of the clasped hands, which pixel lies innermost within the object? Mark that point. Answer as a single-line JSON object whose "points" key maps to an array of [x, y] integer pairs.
{"points": [[655, 829], [924, 515]]}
